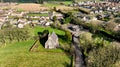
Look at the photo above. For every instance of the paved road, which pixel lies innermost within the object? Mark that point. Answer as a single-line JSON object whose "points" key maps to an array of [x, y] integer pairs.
{"points": [[79, 60]]}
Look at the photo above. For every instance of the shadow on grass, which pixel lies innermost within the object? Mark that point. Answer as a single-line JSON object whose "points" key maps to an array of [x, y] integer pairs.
{"points": [[43, 37], [66, 64]]}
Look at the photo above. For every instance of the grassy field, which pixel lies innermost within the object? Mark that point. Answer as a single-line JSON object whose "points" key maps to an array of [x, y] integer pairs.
{"points": [[87, 0], [58, 5], [37, 14], [67, 2], [50, 5], [59, 2], [18, 55], [29, 7], [37, 29]]}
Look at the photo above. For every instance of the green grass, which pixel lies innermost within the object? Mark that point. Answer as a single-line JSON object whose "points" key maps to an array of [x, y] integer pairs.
{"points": [[37, 14], [51, 5], [88, 0], [20, 10], [67, 2], [41, 29], [18, 55]]}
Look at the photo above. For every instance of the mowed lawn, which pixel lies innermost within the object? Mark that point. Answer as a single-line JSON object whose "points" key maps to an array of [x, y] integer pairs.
{"points": [[50, 29], [18, 55]]}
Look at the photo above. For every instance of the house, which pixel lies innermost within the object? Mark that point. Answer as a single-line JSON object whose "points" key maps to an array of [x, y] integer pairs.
{"points": [[86, 18], [20, 25], [17, 14], [58, 15], [78, 14], [52, 41], [96, 11], [117, 28], [13, 21], [92, 12], [94, 18], [22, 20], [48, 23]]}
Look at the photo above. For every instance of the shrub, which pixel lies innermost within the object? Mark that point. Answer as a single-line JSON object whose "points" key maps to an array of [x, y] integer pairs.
{"points": [[103, 57], [86, 41], [67, 20], [68, 35], [110, 26], [14, 34]]}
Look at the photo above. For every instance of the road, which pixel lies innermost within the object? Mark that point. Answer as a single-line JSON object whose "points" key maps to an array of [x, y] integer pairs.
{"points": [[75, 30], [79, 59]]}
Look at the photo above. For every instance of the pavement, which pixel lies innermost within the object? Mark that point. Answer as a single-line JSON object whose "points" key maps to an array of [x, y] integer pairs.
{"points": [[75, 30]]}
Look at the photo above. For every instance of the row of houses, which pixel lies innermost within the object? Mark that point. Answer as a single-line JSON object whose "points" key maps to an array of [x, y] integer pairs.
{"points": [[20, 19], [99, 7]]}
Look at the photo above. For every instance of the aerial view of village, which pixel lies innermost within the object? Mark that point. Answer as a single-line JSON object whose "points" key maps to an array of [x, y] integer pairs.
{"points": [[59, 33]]}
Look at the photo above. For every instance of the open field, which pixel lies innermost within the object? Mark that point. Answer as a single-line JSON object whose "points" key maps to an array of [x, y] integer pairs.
{"points": [[58, 6], [38, 7], [30, 7], [41, 29], [18, 55], [37, 14], [67, 2]]}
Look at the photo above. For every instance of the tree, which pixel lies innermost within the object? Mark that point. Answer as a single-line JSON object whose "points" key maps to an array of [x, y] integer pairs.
{"points": [[13, 34], [86, 41], [95, 25], [39, 1], [104, 57], [67, 20], [2, 1], [110, 26], [54, 18]]}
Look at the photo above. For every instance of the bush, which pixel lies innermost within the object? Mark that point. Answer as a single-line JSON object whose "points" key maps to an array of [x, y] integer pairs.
{"points": [[67, 20], [110, 26], [86, 42], [103, 57], [95, 25], [14, 34], [68, 36]]}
